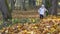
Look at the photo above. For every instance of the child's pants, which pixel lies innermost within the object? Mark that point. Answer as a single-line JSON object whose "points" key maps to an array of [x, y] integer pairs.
{"points": [[41, 16]]}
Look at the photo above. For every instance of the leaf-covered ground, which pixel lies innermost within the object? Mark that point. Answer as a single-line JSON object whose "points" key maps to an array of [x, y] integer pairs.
{"points": [[32, 24], [49, 25]]}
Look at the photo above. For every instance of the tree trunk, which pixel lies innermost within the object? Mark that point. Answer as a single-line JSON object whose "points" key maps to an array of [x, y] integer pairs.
{"points": [[24, 8], [5, 12], [54, 7]]}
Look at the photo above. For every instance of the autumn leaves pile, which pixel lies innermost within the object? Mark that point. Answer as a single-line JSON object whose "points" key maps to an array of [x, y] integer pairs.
{"points": [[47, 26]]}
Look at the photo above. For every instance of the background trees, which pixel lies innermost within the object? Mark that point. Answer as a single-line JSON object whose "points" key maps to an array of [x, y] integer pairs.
{"points": [[51, 5], [6, 7], [54, 7]]}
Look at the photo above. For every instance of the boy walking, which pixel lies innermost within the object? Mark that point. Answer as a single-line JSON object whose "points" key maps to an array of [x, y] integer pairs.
{"points": [[42, 11]]}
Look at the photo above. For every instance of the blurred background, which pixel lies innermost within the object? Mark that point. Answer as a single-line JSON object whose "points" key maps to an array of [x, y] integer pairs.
{"points": [[24, 8], [24, 13], [29, 8]]}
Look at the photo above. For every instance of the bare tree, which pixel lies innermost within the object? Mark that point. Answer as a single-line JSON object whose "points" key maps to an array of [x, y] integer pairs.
{"points": [[54, 7], [6, 11], [51, 5]]}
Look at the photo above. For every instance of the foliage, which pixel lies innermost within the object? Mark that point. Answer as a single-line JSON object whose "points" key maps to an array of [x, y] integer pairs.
{"points": [[25, 20], [15, 20], [46, 13], [48, 4]]}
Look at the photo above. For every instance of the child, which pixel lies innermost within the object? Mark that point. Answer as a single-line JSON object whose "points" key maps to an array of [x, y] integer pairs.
{"points": [[42, 11]]}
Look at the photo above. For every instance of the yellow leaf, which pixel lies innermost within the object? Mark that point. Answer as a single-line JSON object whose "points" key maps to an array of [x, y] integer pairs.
{"points": [[35, 27], [33, 20], [52, 30], [25, 30]]}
